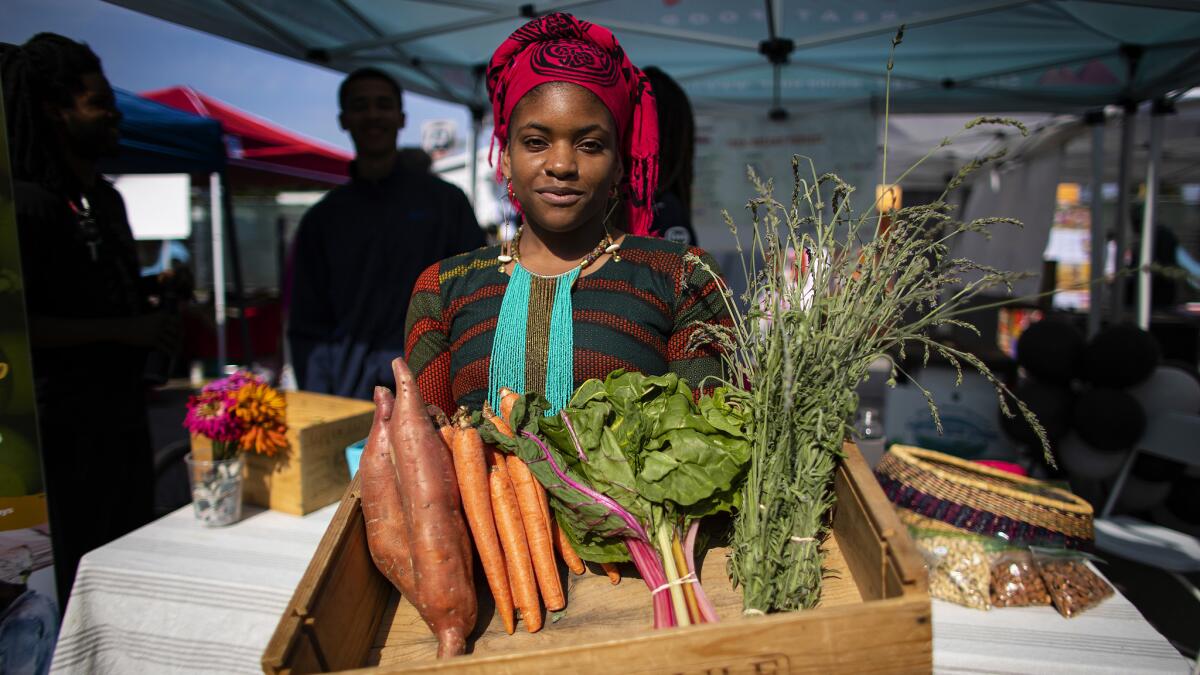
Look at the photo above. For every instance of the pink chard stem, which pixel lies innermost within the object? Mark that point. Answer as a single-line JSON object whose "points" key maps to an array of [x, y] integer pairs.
{"points": [[707, 610]]}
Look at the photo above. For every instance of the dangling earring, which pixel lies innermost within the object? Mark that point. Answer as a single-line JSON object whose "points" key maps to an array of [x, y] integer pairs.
{"points": [[614, 200], [509, 217]]}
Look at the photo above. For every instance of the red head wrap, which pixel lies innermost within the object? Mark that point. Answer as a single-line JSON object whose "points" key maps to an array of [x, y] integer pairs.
{"points": [[560, 48]]}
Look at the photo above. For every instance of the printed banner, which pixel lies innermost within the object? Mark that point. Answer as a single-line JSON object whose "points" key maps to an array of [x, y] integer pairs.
{"points": [[842, 141]]}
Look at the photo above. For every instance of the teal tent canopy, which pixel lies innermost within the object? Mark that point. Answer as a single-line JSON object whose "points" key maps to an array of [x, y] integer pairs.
{"points": [[995, 55]]}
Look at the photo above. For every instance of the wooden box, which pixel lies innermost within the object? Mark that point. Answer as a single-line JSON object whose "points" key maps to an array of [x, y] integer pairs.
{"points": [[312, 473], [874, 614]]}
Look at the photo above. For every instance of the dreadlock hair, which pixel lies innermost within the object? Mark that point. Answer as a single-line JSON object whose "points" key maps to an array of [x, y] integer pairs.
{"points": [[676, 136], [47, 70]]}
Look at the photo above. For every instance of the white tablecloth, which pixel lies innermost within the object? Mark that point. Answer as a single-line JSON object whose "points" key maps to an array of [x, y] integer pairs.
{"points": [[1109, 638], [176, 597]]}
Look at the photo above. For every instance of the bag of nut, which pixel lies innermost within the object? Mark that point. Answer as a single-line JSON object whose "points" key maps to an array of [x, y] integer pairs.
{"points": [[1016, 581], [1073, 586], [959, 567]]}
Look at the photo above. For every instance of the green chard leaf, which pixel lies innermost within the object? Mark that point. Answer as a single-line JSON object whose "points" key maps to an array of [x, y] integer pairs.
{"points": [[599, 532], [685, 466], [643, 443]]}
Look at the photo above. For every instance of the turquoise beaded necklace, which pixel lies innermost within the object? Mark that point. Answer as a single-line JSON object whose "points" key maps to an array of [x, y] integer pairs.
{"points": [[528, 350]]}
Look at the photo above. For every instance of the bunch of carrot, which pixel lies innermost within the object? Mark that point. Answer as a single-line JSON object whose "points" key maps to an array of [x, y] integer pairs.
{"points": [[510, 520]]}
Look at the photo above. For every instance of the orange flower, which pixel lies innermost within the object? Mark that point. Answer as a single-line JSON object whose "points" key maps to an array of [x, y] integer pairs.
{"points": [[265, 439], [262, 412]]}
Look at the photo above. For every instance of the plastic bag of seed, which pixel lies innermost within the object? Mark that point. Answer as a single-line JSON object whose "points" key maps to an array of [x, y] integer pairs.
{"points": [[959, 566], [1016, 581], [1073, 586]]}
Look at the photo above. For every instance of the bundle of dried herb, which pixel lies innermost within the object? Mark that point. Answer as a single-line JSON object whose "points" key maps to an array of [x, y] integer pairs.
{"points": [[830, 291]]}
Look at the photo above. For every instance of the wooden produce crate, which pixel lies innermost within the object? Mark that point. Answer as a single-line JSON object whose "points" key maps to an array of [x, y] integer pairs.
{"points": [[312, 472], [874, 614]]}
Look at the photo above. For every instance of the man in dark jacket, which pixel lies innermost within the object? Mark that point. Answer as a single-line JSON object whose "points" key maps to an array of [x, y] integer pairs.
{"points": [[359, 250]]}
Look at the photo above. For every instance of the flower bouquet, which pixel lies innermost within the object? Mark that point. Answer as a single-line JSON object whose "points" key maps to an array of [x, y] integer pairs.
{"points": [[237, 413]]}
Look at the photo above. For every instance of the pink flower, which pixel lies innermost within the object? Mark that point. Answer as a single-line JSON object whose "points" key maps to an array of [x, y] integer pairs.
{"points": [[211, 415], [233, 382]]}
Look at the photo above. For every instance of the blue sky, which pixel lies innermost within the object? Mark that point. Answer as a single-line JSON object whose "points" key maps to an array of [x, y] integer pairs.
{"points": [[141, 53]]}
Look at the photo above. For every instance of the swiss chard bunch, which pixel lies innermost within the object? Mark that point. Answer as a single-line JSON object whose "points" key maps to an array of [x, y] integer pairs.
{"points": [[632, 464]]}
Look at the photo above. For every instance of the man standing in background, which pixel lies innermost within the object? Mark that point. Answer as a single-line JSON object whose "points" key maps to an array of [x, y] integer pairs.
{"points": [[359, 250]]}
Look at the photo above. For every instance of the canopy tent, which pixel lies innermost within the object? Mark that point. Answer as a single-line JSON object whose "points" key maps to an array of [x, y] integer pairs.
{"points": [[254, 152], [780, 56], [912, 136], [159, 139], [258, 149], [995, 55]]}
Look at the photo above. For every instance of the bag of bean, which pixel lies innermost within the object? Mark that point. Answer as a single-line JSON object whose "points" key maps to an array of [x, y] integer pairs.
{"points": [[1073, 586], [1016, 581], [959, 567]]}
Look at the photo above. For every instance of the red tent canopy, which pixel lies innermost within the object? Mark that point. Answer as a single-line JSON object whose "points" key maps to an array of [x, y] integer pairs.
{"points": [[257, 145]]}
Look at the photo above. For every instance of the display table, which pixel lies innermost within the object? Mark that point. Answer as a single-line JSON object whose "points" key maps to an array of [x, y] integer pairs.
{"points": [[175, 596], [178, 597]]}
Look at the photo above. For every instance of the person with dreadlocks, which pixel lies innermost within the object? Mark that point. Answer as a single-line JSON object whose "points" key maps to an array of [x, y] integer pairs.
{"points": [[572, 297], [90, 329], [677, 151]]}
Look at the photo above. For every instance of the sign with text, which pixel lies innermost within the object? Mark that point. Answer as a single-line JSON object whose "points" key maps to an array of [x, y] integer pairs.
{"points": [[842, 141]]}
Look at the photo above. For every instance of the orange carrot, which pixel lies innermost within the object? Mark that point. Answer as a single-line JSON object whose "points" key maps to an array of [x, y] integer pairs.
{"points": [[448, 431], [544, 509], [470, 466], [569, 556], [508, 398], [507, 513], [614, 574], [537, 532], [490, 415]]}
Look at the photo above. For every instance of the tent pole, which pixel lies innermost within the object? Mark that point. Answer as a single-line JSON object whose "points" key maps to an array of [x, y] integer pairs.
{"points": [[235, 262], [218, 253], [1095, 119], [1121, 222], [473, 153], [1148, 215]]}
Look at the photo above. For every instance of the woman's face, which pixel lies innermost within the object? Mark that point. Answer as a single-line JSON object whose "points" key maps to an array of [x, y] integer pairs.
{"points": [[562, 157]]}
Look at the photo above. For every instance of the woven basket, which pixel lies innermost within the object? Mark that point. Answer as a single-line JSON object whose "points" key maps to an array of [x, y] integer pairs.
{"points": [[980, 499]]}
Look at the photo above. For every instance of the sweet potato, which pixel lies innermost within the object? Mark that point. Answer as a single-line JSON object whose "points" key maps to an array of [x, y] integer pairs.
{"points": [[386, 536], [433, 518]]}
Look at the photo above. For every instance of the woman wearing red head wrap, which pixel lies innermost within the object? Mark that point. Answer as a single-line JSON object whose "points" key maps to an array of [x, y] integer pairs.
{"points": [[573, 296]]}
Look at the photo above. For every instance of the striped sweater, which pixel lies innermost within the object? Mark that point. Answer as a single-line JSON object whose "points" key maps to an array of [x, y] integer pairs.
{"points": [[637, 313]]}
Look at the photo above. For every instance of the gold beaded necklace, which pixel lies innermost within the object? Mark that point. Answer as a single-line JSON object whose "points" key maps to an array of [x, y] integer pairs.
{"points": [[511, 251]]}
